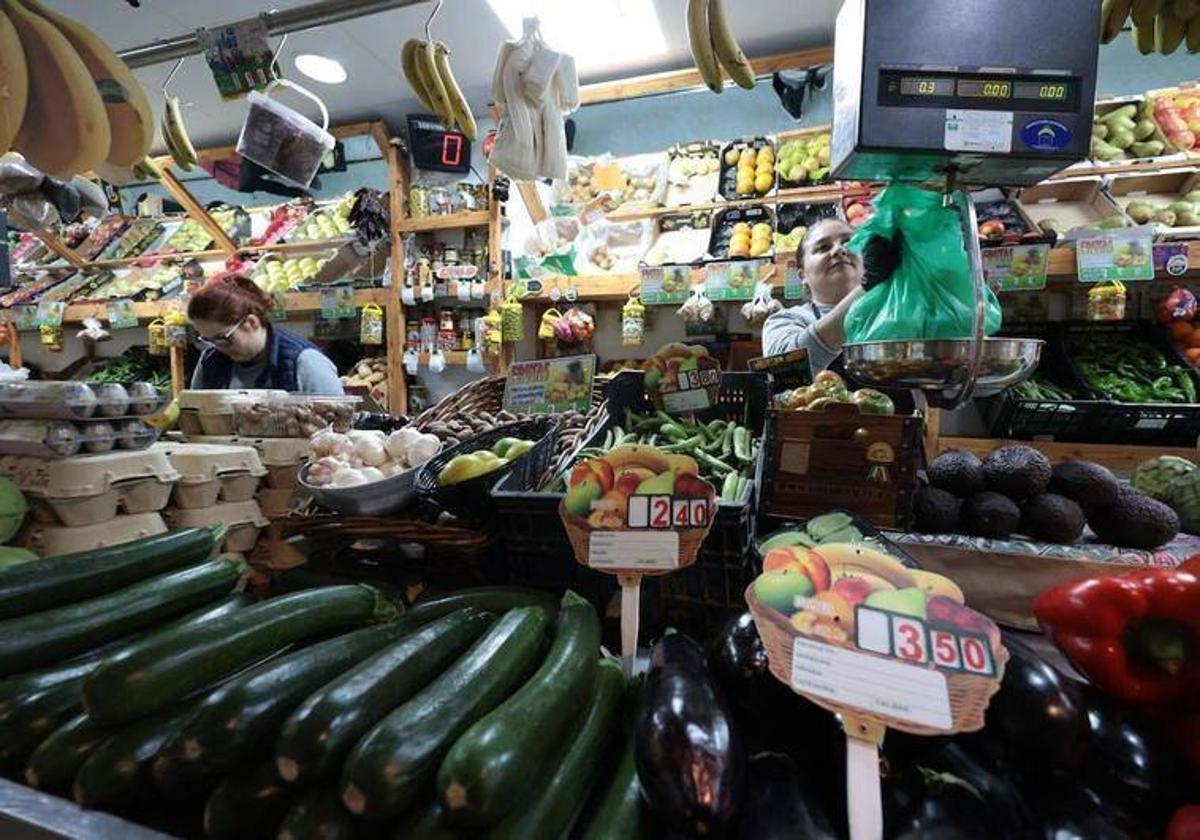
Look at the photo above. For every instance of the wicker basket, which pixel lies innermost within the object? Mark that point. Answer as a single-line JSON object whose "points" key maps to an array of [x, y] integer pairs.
{"points": [[580, 533], [969, 693]]}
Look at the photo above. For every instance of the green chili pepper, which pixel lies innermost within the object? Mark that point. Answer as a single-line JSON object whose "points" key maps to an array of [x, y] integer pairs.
{"points": [[719, 467], [741, 443]]}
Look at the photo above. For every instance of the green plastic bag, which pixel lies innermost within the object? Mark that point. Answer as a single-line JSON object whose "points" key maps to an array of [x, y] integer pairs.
{"points": [[931, 294]]}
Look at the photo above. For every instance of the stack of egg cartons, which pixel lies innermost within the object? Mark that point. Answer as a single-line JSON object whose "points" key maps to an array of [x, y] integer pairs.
{"points": [[79, 453], [216, 486]]}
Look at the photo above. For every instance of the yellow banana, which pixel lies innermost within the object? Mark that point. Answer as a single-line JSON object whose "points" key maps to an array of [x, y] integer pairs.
{"points": [[726, 46], [701, 44], [14, 82], [637, 455], [1193, 35], [459, 109], [147, 169], [1185, 10], [64, 130], [408, 63], [1113, 15], [1144, 12], [1168, 32], [427, 68], [935, 584], [847, 560], [1143, 37], [176, 136], [130, 119], [682, 464]]}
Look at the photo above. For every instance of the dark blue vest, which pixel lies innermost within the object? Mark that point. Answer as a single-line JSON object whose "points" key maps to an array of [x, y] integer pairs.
{"points": [[283, 351]]}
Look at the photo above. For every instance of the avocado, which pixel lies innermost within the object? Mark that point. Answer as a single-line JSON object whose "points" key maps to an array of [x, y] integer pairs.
{"points": [[1050, 517], [957, 471], [1016, 471], [1134, 520], [990, 514], [936, 510], [1091, 485]]}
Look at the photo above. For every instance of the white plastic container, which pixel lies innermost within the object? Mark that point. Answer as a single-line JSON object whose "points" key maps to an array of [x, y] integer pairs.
{"points": [[282, 139], [211, 412], [55, 540], [208, 472], [244, 519], [91, 489], [78, 400], [291, 415]]}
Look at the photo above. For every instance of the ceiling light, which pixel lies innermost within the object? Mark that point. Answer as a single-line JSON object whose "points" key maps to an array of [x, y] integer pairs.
{"points": [[601, 35], [320, 69]]}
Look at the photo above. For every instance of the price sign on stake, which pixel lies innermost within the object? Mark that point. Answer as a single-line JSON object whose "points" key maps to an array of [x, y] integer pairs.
{"points": [[680, 378], [637, 511], [852, 628]]}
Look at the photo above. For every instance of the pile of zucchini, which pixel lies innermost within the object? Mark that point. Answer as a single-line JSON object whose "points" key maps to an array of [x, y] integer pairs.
{"points": [[138, 681]]}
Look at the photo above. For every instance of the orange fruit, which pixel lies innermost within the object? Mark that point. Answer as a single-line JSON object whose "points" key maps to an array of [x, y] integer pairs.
{"points": [[1180, 330]]}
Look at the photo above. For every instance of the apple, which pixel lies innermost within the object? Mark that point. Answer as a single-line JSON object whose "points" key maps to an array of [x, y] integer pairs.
{"points": [[814, 566], [854, 590], [627, 484], [693, 487], [907, 601], [780, 590], [579, 498], [948, 612], [660, 485], [599, 470], [780, 559]]}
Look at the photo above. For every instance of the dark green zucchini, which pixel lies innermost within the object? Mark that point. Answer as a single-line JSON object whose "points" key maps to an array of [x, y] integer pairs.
{"points": [[128, 687], [248, 805], [487, 772], [37, 639], [426, 822], [318, 735], [400, 755], [320, 815], [493, 599], [622, 815], [42, 584], [57, 759], [564, 789], [241, 719]]}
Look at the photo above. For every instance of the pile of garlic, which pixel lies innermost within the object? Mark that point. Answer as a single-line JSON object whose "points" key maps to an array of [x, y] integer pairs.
{"points": [[362, 457]]}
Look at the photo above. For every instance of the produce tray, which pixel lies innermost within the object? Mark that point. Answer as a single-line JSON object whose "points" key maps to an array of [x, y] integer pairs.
{"points": [[791, 214], [728, 187], [805, 135], [693, 173], [1140, 424], [722, 231]]}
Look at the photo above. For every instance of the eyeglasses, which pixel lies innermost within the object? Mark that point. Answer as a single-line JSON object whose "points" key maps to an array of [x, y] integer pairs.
{"points": [[222, 340]]}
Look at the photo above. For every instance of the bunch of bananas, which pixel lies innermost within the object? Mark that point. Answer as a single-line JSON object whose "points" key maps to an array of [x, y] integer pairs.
{"points": [[176, 137], [1159, 26], [714, 46], [426, 66], [67, 101]]}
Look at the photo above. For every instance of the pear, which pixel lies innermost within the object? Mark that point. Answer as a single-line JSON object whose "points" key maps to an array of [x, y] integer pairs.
{"points": [[907, 601]]}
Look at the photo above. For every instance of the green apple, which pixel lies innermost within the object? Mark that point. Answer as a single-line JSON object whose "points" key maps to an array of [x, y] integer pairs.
{"points": [[907, 601], [660, 485], [688, 364], [517, 448], [780, 589], [579, 498], [501, 446]]}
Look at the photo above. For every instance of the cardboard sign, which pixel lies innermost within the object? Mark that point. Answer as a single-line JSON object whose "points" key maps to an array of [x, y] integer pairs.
{"points": [[681, 378], [788, 370], [25, 317], [278, 306], [793, 284], [50, 313], [666, 284], [337, 302], [239, 56], [1117, 255], [121, 314], [733, 280], [550, 386], [1019, 268]]}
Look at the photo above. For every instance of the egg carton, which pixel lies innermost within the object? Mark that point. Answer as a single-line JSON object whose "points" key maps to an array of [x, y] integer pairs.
{"points": [[209, 473], [244, 520]]}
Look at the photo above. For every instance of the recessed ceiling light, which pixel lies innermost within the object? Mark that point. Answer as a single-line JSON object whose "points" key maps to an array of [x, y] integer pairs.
{"points": [[321, 69]]}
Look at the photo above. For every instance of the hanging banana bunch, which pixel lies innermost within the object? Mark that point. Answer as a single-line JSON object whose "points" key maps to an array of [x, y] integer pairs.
{"points": [[426, 67], [714, 47], [175, 135], [1159, 26]]}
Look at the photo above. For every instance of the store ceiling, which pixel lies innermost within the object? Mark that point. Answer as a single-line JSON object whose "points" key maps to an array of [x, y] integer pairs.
{"points": [[369, 49]]}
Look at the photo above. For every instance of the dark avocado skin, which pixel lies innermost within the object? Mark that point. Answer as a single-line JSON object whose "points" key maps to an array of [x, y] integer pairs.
{"points": [[1084, 482], [1051, 518], [1016, 471], [956, 471], [990, 514]]}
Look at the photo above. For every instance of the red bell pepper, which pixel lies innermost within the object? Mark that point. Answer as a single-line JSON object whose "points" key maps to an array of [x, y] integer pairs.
{"points": [[1135, 636], [1185, 824]]}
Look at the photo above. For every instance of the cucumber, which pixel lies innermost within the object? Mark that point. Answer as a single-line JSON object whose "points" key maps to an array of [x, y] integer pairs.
{"points": [[565, 788], [40, 585], [622, 815], [318, 735], [425, 822], [393, 762], [40, 638], [241, 719], [127, 687], [320, 815], [493, 599], [55, 762], [248, 804], [488, 771]]}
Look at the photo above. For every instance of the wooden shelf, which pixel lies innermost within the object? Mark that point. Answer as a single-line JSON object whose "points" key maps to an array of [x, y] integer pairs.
{"points": [[289, 247], [297, 302], [478, 218], [1083, 170], [821, 194], [130, 261]]}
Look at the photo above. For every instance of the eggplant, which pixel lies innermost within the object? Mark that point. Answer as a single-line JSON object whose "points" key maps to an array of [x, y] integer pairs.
{"points": [[1007, 811], [923, 804], [690, 757], [776, 806], [1070, 812]]}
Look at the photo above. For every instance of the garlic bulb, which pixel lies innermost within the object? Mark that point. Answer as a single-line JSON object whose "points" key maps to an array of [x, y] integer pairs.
{"points": [[422, 449]]}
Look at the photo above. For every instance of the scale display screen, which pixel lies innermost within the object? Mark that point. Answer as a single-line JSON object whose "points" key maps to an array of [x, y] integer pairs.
{"points": [[909, 89]]}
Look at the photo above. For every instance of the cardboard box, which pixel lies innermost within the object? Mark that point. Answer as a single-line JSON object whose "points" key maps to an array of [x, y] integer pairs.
{"points": [[1159, 189], [1078, 203]]}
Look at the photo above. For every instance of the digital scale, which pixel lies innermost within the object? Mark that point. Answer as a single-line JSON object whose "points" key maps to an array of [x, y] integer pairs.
{"points": [[953, 92]]}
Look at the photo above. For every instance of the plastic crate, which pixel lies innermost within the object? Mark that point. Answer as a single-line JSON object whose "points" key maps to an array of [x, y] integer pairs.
{"points": [[1139, 424]]}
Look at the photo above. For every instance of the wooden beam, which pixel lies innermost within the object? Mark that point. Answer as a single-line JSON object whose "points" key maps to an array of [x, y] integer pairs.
{"points": [[178, 374], [57, 246], [495, 275], [533, 201], [394, 322], [1121, 458], [675, 80], [382, 137], [181, 194]]}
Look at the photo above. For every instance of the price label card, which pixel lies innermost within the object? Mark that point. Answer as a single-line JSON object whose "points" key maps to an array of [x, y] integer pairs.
{"points": [[1171, 258], [665, 284], [681, 378], [50, 313], [239, 56], [121, 314], [337, 302], [550, 386], [734, 280], [1019, 268], [1117, 255], [633, 550], [279, 306], [788, 370], [793, 285], [25, 317]]}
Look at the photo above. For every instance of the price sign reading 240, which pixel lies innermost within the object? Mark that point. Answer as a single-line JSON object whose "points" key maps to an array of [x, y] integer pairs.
{"points": [[666, 512], [910, 640]]}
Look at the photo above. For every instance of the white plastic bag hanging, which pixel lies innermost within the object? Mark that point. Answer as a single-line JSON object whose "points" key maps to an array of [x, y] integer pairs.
{"points": [[283, 140], [763, 305], [697, 309]]}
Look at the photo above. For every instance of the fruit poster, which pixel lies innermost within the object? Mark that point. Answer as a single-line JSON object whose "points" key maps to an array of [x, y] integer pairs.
{"points": [[550, 386], [637, 509], [1017, 268], [665, 284], [793, 283], [121, 314], [239, 56], [337, 302], [850, 625], [733, 280], [682, 377], [1117, 255]]}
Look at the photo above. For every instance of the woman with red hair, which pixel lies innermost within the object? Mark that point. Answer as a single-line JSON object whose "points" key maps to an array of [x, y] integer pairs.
{"points": [[243, 349]]}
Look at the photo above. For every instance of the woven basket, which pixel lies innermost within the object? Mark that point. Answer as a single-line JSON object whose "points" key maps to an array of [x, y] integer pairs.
{"points": [[487, 394], [580, 533], [969, 693]]}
